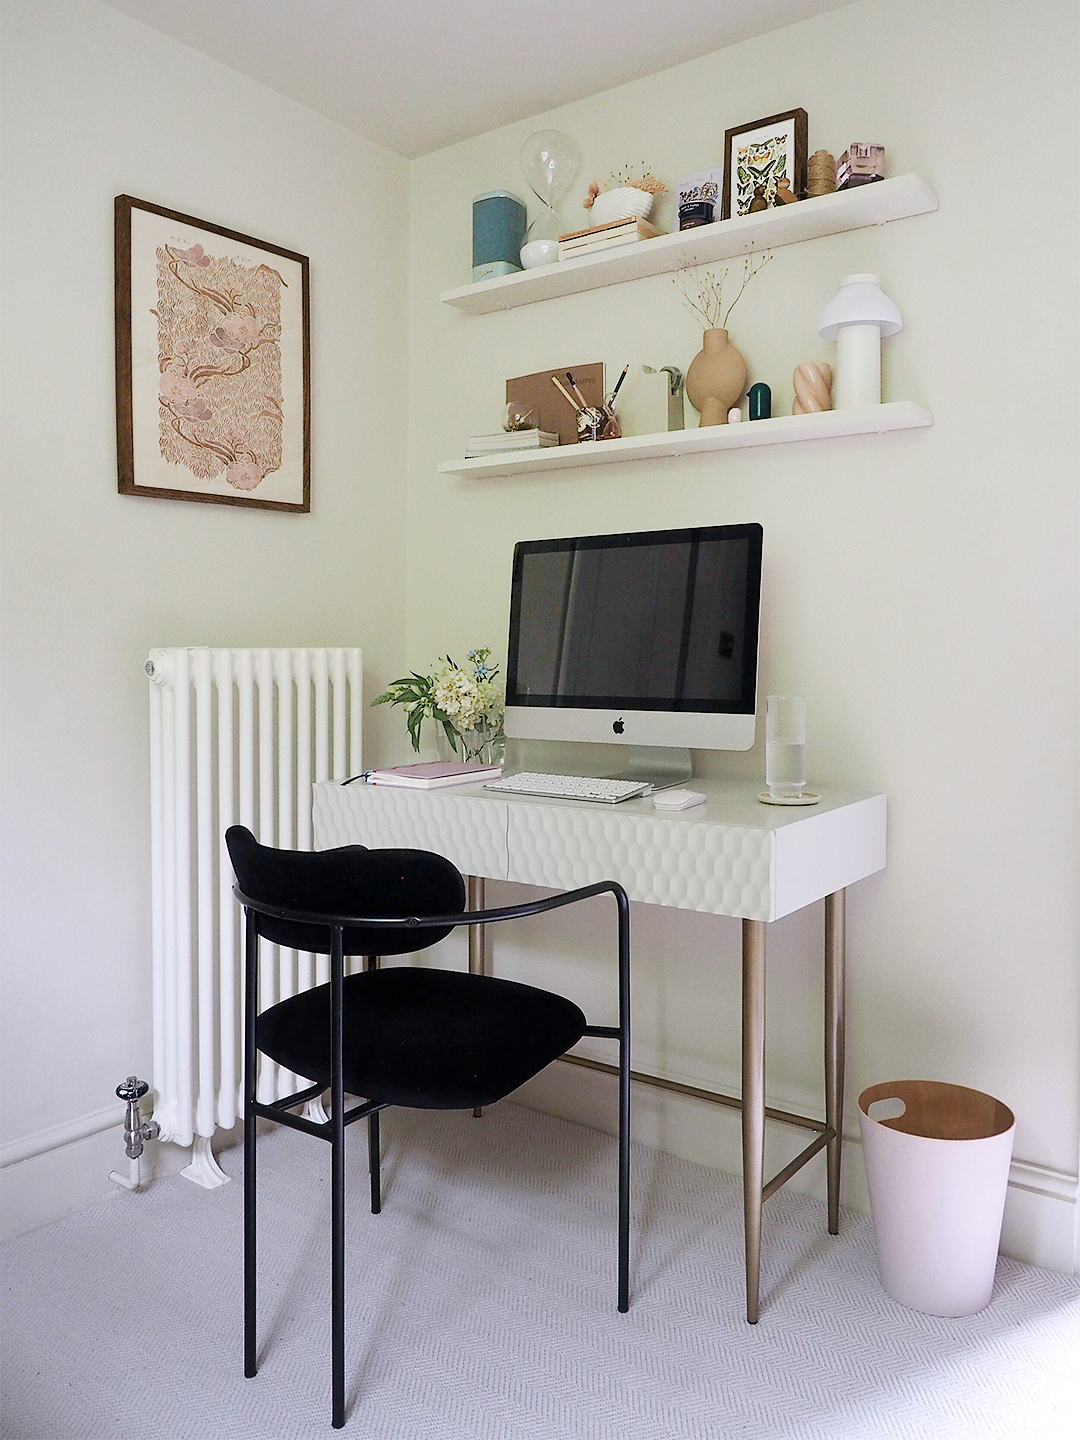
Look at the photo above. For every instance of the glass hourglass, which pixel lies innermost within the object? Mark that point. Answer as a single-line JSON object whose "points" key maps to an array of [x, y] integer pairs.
{"points": [[550, 161]]}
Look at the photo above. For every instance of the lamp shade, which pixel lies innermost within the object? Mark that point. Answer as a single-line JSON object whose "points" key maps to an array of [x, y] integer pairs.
{"points": [[859, 301]]}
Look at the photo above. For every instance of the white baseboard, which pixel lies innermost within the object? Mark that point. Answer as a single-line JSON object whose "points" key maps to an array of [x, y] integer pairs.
{"points": [[53, 1172], [51, 1183], [1040, 1225], [30, 1146]]}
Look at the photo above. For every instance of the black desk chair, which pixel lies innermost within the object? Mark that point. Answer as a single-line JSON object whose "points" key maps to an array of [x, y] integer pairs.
{"points": [[428, 1039]]}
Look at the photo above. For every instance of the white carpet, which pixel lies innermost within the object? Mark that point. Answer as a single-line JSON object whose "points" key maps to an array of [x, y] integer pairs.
{"points": [[481, 1306]]}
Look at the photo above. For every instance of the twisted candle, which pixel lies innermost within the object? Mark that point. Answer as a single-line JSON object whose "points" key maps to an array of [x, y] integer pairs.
{"points": [[813, 382]]}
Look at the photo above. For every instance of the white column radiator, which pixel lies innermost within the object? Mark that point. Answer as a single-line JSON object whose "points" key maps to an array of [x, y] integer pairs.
{"points": [[236, 737]]}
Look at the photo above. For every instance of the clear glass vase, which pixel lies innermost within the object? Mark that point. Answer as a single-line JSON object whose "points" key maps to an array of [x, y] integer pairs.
{"points": [[473, 747]]}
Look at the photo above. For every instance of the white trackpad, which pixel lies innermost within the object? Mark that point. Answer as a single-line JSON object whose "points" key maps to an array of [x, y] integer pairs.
{"points": [[677, 799]]}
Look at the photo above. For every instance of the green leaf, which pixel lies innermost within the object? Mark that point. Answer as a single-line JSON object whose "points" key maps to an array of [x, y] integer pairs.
{"points": [[414, 722]]}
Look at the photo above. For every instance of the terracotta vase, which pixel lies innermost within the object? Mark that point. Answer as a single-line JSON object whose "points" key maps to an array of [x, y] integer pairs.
{"points": [[716, 378]]}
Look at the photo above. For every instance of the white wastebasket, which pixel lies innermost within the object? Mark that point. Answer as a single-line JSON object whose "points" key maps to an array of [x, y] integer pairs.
{"points": [[937, 1163]]}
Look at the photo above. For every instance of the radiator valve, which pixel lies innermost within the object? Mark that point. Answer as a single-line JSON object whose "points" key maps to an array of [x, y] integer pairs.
{"points": [[136, 1129]]}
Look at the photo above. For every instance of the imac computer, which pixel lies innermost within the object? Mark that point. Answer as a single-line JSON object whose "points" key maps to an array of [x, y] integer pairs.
{"points": [[648, 640]]}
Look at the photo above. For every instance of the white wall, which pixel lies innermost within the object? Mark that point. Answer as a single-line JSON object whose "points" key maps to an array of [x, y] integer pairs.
{"points": [[920, 588], [97, 105]]}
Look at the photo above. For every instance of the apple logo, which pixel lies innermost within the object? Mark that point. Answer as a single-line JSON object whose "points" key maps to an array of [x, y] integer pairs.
{"points": [[617, 726]]}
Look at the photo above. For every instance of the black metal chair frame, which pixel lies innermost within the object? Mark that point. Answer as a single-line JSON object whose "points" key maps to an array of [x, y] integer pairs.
{"points": [[334, 1128]]}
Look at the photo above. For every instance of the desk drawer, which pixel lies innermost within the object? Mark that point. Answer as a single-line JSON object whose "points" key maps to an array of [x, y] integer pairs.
{"points": [[659, 860], [469, 830]]}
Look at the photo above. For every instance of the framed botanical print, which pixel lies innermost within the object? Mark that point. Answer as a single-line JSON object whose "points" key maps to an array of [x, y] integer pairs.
{"points": [[212, 362], [764, 164]]}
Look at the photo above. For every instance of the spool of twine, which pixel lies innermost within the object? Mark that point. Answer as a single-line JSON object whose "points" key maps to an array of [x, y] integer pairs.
{"points": [[820, 174], [813, 382]]}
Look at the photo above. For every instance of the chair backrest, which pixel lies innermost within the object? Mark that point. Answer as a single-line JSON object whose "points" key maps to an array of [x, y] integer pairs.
{"points": [[350, 881]]}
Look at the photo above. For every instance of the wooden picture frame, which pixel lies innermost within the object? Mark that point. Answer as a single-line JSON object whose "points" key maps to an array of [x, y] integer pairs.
{"points": [[778, 144], [213, 360]]}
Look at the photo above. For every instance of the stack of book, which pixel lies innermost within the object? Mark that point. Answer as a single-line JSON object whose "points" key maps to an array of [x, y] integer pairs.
{"points": [[509, 441], [606, 237], [433, 775]]}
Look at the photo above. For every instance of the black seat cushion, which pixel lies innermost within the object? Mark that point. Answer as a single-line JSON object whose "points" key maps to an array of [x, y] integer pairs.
{"points": [[427, 1039], [348, 881]]}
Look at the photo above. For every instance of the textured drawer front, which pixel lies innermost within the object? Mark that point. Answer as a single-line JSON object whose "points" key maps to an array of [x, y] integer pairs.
{"points": [[721, 869], [470, 831]]}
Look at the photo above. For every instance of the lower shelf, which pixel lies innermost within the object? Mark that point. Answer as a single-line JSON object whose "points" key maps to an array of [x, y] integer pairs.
{"points": [[828, 425]]}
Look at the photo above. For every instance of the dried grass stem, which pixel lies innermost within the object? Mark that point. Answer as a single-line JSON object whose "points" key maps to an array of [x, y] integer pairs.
{"points": [[703, 289]]}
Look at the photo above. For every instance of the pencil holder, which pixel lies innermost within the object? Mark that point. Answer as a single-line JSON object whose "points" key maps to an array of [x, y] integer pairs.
{"points": [[590, 423]]}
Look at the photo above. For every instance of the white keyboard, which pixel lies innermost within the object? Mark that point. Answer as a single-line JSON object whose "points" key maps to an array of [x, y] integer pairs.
{"points": [[569, 787]]}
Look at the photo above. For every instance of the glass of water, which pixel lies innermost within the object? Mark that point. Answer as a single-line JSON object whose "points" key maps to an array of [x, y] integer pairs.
{"points": [[785, 746]]}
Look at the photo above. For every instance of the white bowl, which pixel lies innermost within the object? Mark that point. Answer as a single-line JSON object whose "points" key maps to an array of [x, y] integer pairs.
{"points": [[618, 204]]}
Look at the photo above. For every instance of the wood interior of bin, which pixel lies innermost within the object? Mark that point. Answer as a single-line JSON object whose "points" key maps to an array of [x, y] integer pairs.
{"points": [[939, 1111]]}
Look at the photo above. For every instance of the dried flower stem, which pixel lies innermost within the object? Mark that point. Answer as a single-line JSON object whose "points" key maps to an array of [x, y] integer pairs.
{"points": [[640, 180], [703, 289], [752, 265], [637, 178]]}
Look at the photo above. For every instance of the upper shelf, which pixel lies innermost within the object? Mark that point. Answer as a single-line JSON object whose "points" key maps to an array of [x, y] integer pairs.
{"points": [[873, 204]]}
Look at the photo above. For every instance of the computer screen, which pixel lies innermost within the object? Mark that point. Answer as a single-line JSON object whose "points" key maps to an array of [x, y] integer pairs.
{"points": [[649, 637]]}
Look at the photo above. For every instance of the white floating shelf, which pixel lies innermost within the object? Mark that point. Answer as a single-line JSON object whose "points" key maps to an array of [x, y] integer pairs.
{"points": [[868, 420], [873, 204]]}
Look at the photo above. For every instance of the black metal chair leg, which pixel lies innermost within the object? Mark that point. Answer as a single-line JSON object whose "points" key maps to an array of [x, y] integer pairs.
{"points": [[624, 1102], [250, 1064], [371, 962], [337, 1179], [624, 1182], [374, 1162]]}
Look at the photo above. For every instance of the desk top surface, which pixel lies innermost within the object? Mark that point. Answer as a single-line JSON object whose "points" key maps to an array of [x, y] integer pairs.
{"points": [[731, 856], [727, 802]]}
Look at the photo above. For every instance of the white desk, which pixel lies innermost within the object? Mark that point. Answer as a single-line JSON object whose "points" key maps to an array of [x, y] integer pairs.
{"points": [[731, 856]]}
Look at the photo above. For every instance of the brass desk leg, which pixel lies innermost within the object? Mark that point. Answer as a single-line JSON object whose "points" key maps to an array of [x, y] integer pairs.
{"points": [[835, 950], [477, 936], [753, 1102]]}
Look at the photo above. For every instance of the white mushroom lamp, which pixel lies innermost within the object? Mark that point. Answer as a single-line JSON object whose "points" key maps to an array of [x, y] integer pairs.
{"points": [[857, 316]]}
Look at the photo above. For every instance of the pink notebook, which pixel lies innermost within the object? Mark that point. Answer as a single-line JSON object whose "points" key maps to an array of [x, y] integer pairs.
{"points": [[433, 774]]}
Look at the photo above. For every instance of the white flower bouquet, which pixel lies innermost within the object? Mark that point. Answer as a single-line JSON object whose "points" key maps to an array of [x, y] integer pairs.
{"points": [[465, 702]]}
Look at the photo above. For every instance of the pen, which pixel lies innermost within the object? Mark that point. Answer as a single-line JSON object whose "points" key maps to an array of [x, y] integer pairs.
{"points": [[564, 392], [574, 386]]}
